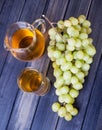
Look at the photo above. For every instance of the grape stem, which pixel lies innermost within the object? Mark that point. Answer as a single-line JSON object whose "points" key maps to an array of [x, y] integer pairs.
{"points": [[51, 24]]}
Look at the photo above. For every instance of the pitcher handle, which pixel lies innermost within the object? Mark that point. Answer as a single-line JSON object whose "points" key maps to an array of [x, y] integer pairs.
{"points": [[40, 22]]}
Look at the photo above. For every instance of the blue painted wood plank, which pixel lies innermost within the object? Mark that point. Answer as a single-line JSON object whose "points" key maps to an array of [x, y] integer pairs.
{"points": [[8, 68], [99, 122], [8, 89], [1, 5]]}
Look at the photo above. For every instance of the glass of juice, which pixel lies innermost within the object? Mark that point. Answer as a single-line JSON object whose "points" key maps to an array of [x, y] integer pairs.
{"points": [[30, 80]]}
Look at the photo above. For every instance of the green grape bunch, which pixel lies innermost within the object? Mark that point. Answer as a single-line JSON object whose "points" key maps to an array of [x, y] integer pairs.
{"points": [[71, 51]]}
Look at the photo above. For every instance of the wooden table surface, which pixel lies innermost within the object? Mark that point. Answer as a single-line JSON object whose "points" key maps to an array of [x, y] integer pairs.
{"points": [[26, 111]]}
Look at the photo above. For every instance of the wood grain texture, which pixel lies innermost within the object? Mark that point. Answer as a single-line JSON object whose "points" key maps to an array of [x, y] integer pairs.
{"points": [[99, 122], [1, 5], [27, 111]]}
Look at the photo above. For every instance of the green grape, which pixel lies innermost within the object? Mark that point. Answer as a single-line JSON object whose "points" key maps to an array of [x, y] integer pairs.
{"points": [[82, 81], [61, 61], [80, 75], [78, 63], [81, 19], [52, 37], [85, 67], [89, 61], [91, 50], [68, 116], [52, 43], [86, 24], [77, 27], [62, 111], [52, 32], [51, 48], [74, 79], [73, 32], [57, 54], [70, 48], [50, 54], [58, 92], [85, 43], [76, 33], [58, 38], [74, 69], [68, 99], [56, 85], [74, 112], [71, 42], [83, 36], [89, 30], [90, 40], [80, 54], [75, 54], [55, 66], [58, 61], [67, 23], [86, 57], [53, 59], [66, 66], [74, 93], [86, 73], [65, 37], [61, 46], [70, 30], [69, 56], [78, 43], [56, 106], [68, 81], [57, 72], [61, 98], [60, 80], [77, 86], [67, 75], [84, 30], [69, 107], [64, 89], [60, 24], [73, 20]]}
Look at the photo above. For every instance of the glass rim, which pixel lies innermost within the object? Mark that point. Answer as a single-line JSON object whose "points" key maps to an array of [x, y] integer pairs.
{"points": [[30, 27]]}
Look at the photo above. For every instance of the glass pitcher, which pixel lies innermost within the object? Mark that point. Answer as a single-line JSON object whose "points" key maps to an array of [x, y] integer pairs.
{"points": [[25, 41]]}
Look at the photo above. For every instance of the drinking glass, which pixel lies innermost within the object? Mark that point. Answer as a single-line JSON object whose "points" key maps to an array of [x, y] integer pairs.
{"points": [[30, 80]]}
